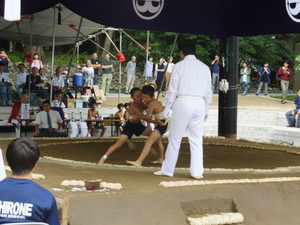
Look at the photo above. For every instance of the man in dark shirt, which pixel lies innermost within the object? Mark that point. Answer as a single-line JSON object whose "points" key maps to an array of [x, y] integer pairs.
{"points": [[291, 115], [106, 66], [215, 73], [35, 83], [96, 64]]}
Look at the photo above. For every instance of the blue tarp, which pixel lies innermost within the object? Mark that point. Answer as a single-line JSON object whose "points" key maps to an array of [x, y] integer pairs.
{"points": [[209, 17]]}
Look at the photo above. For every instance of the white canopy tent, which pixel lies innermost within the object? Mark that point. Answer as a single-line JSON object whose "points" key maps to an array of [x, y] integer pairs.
{"points": [[40, 26]]}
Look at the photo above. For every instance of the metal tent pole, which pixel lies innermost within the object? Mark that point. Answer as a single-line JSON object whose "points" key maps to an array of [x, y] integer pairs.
{"points": [[147, 50], [228, 101], [53, 52], [72, 56], [120, 71]]}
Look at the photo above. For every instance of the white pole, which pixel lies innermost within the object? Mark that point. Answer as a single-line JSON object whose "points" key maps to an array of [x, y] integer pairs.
{"points": [[147, 51], [53, 51], [120, 71], [77, 57]]}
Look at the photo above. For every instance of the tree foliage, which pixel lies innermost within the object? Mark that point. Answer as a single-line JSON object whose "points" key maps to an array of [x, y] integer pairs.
{"points": [[256, 50]]}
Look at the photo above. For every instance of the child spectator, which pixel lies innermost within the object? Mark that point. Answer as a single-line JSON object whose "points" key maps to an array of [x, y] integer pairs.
{"points": [[120, 115], [94, 114], [36, 62]]}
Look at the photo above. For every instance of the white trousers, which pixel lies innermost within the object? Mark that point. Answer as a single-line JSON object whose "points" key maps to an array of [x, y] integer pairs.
{"points": [[129, 83], [187, 114]]}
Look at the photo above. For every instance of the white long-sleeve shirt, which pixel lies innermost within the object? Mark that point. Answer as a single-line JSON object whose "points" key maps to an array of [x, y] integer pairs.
{"points": [[190, 77], [20, 78], [4, 77]]}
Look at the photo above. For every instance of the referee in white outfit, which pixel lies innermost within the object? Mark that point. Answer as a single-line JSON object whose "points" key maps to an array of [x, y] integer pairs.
{"points": [[189, 96]]}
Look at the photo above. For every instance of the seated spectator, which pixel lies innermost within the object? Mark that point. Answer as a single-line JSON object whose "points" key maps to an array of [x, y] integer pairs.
{"points": [[291, 115], [48, 123], [57, 102], [20, 79], [30, 202], [5, 87], [120, 115], [94, 114], [35, 83], [16, 113], [57, 81], [44, 79]]}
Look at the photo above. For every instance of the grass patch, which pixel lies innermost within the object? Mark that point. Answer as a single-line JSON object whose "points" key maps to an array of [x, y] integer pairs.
{"points": [[289, 97], [61, 59]]}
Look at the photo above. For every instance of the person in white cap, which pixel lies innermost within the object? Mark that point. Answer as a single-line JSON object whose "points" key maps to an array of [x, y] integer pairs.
{"points": [[189, 96]]}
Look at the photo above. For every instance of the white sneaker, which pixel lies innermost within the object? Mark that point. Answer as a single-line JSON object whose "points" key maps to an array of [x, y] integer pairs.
{"points": [[158, 173], [197, 177]]}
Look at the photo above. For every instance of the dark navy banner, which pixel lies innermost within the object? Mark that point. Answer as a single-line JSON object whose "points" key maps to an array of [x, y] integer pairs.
{"points": [[209, 17]]}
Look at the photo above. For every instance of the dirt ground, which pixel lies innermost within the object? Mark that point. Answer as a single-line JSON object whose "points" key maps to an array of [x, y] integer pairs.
{"points": [[143, 201]]}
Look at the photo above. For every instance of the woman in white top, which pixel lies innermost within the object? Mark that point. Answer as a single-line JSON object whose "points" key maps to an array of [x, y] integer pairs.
{"points": [[36, 62], [169, 72], [88, 74], [245, 77]]}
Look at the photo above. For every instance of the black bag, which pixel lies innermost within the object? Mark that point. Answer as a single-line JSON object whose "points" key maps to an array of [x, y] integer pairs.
{"points": [[278, 78]]}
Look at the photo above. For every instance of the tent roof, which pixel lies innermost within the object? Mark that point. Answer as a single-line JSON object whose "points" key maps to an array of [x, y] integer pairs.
{"points": [[42, 28], [209, 17]]}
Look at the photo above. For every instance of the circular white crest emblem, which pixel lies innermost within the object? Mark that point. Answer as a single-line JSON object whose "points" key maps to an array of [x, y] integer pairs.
{"points": [[148, 9], [293, 9]]}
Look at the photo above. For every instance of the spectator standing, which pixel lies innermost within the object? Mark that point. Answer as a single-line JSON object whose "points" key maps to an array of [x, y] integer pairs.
{"points": [[160, 71], [264, 78], [130, 69], [215, 74], [88, 74], [5, 87], [36, 62], [96, 65], [285, 73], [169, 72], [20, 79], [106, 65], [28, 201], [291, 115], [5, 60], [245, 77], [148, 72]]}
